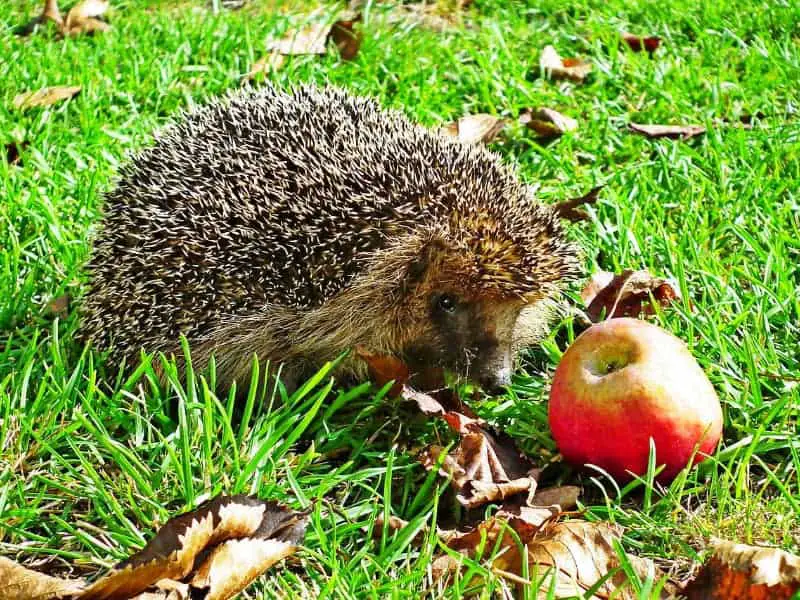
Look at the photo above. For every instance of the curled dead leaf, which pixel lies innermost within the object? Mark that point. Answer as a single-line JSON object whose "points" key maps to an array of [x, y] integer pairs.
{"points": [[20, 583], [675, 132], [637, 43], [45, 96], [49, 14], [83, 18], [310, 39], [556, 67], [547, 123], [484, 468], [384, 368], [628, 294], [313, 38], [475, 129], [346, 37], [742, 572], [568, 557], [569, 209], [220, 548]]}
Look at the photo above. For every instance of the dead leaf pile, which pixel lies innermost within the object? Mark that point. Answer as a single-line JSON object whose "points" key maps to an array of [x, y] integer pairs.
{"points": [[83, 18], [213, 552], [627, 294]]}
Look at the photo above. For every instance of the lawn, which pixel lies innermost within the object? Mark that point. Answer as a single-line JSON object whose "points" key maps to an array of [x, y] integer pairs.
{"points": [[92, 462]]}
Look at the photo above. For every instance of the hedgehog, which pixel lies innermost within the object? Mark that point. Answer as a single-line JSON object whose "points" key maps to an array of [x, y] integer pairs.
{"points": [[292, 226]]}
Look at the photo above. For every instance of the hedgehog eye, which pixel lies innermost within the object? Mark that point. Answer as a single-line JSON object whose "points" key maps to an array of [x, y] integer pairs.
{"points": [[446, 303]]}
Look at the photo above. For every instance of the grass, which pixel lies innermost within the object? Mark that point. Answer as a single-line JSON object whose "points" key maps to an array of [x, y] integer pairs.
{"points": [[91, 463]]}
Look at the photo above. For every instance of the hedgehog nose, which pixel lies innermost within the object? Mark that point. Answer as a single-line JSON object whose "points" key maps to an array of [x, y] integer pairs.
{"points": [[493, 383]]}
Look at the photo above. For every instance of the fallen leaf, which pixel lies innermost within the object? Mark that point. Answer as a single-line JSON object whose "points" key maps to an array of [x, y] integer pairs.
{"points": [[484, 468], [20, 583], [547, 123], [50, 13], [569, 208], [173, 552], [347, 39], [637, 43], [307, 40], [556, 67], [59, 306], [384, 368], [14, 152], [266, 65], [565, 496], [682, 132], [744, 121], [232, 539], [567, 558], [427, 15], [45, 96], [83, 18], [627, 294], [742, 572], [313, 38], [475, 129]]}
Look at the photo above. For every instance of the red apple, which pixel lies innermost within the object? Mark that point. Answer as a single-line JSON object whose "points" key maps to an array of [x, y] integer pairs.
{"points": [[622, 382]]}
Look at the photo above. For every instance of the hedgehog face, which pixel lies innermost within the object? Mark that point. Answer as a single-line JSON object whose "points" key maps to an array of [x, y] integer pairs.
{"points": [[452, 322], [469, 337]]}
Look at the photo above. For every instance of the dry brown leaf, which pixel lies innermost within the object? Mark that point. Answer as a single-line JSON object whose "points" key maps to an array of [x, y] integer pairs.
{"points": [[346, 37], [50, 13], [627, 294], [682, 132], [83, 17], [427, 15], [266, 65], [569, 209], [45, 96], [313, 38], [233, 539], [556, 67], [637, 43], [14, 152], [173, 552], [547, 123], [235, 564], [578, 554], [475, 129], [59, 306], [742, 572], [310, 39], [484, 468], [384, 368], [565, 496], [19, 583]]}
